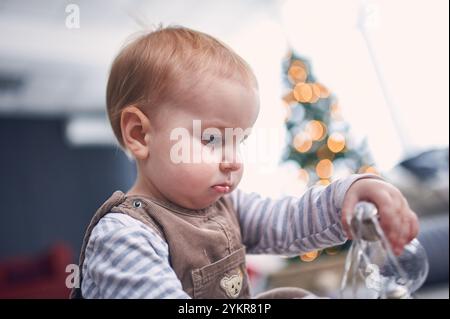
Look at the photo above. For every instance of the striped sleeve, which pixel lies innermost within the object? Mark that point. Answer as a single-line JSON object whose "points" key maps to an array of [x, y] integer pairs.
{"points": [[127, 259], [290, 226]]}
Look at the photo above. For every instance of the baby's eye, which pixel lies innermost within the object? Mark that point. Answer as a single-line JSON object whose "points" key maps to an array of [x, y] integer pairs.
{"points": [[211, 140]]}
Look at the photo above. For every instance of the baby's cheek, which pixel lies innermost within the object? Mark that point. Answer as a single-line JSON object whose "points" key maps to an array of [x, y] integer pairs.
{"points": [[195, 174], [238, 175], [211, 155]]}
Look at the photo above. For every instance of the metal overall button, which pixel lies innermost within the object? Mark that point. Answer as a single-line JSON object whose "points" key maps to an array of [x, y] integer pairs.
{"points": [[137, 203]]}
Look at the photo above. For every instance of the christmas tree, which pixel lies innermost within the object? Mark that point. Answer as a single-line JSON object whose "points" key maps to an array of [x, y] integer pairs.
{"points": [[319, 139]]}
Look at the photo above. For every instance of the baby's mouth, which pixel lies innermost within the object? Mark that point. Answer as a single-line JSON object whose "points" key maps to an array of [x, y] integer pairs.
{"points": [[222, 188]]}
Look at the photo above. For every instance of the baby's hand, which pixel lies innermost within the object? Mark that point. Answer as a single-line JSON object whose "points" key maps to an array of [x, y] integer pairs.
{"points": [[397, 220]]}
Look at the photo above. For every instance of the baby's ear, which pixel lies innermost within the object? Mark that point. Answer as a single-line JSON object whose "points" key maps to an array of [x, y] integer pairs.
{"points": [[135, 127]]}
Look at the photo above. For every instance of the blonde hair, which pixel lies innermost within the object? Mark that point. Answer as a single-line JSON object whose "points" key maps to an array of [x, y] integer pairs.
{"points": [[149, 69]]}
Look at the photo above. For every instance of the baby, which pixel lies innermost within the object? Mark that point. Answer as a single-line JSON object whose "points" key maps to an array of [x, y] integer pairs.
{"points": [[183, 229]]}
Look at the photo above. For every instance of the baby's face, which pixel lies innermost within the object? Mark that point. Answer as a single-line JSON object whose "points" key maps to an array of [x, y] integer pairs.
{"points": [[192, 162]]}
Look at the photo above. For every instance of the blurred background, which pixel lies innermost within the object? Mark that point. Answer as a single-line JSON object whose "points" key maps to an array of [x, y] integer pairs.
{"points": [[346, 86]]}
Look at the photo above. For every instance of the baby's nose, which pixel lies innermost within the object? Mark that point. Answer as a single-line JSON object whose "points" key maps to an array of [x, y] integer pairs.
{"points": [[230, 166]]}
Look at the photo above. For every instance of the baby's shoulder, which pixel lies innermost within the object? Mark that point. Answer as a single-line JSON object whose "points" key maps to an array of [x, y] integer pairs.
{"points": [[117, 221], [119, 226]]}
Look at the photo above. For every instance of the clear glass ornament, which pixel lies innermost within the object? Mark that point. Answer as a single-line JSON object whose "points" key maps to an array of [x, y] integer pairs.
{"points": [[372, 270]]}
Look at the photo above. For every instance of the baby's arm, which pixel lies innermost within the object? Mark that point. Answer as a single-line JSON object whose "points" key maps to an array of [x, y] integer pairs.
{"points": [[293, 225], [127, 259]]}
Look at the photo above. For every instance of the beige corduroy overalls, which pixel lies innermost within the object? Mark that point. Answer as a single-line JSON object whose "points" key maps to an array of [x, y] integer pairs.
{"points": [[205, 246]]}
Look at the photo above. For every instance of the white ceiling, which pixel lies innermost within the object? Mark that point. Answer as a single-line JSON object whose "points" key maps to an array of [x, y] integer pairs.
{"points": [[47, 68]]}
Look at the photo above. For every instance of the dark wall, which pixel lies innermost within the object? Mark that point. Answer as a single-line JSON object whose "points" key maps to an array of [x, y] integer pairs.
{"points": [[50, 189]]}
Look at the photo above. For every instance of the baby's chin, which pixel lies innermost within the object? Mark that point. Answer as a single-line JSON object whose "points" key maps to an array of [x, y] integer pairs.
{"points": [[201, 202]]}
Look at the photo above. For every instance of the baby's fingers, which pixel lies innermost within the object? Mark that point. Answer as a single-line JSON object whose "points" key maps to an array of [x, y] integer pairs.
{"points": [[408, 223], [413, 226], [391, 219], [387, 208]]}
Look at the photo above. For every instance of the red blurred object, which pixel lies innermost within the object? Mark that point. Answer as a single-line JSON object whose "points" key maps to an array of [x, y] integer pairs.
{"points": [[42, 276]]}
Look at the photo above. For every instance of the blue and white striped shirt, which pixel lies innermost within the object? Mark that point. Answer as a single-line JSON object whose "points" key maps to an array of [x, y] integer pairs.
{"points": [[126, 259]]}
